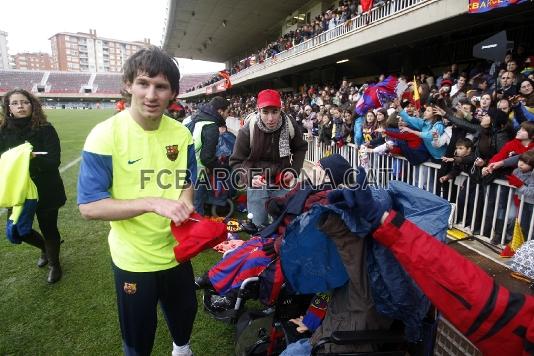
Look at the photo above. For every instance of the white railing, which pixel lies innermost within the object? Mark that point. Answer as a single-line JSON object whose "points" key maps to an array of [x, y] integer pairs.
{"points": [[486, 211], [359, 22]]}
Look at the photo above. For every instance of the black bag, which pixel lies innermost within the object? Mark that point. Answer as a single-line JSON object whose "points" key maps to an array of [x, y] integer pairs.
{"points": [[252, 333]]}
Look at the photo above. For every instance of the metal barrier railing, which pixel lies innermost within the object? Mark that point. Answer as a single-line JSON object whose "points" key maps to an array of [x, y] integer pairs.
{"points": [[486, 211]]}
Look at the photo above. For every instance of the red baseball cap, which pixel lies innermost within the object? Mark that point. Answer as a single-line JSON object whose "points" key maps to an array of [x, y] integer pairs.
{"points": [[446, 82], [269, 97], [175, 107]]}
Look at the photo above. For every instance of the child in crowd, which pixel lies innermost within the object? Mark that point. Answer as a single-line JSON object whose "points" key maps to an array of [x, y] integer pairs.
{"points": [[524, 141], [381, 118], [337, 125], [348, 126], [463, 160], [369, 127], [523, 179], [325, 130]]}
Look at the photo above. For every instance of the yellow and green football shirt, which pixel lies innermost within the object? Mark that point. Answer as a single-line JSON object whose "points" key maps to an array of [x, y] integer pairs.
{"points": [[121, 160]]}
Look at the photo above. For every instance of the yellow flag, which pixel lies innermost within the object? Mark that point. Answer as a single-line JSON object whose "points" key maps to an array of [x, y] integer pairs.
{"points": [[416, 97], [517, 240]]}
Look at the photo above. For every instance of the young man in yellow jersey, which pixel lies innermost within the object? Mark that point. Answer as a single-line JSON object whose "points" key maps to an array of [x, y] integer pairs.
{"points": [[137, 172]]}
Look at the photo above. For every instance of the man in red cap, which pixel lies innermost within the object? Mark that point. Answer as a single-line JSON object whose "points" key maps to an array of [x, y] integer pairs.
{"points": [[269, 153]]}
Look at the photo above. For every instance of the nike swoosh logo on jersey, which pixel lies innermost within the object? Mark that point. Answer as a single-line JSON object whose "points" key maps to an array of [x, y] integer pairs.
{"points": [[132, 162]]}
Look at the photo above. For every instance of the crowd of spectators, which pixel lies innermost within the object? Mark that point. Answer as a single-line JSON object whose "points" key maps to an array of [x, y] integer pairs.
{"points": [[327, 20], [471, 119]]}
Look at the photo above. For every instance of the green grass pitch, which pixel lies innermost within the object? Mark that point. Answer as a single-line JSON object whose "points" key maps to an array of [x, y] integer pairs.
{"points": [[77, 316]]}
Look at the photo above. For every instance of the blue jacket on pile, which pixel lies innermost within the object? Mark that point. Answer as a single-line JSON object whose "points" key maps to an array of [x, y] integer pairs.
{"points": [[394, 292]]}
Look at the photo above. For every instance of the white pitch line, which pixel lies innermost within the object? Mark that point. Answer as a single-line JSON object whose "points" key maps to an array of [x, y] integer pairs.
{"points": [[70, 164], [61, 170]]}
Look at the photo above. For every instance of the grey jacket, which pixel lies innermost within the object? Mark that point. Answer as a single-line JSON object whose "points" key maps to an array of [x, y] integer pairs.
{"points": [[527, 190]]}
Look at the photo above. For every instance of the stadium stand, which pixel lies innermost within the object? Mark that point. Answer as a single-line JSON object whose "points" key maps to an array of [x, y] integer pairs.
{"points": [[191, 80], [10, 79], [107, 83], [72, 83]]}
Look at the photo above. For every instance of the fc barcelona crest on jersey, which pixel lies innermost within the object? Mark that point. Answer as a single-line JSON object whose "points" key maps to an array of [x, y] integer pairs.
{"points": [[172, 152], [130, 288]]}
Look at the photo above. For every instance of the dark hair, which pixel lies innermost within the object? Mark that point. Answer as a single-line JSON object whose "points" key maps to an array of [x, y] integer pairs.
{"points": [[522, 81], [471, 106], [498, 117], [530, 97], [435, 117], [383, 112], [38, 115], [479, 80], [527, 157], [464, 142], [218, 102], [152, 61], [528, 126]]}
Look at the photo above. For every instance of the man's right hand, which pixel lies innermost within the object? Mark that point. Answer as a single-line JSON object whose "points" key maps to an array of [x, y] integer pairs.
{"points": [[176, 210]]}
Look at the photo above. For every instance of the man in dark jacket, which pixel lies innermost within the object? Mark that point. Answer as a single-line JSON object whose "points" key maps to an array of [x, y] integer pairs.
{"points": [[204, 127], [269, 153]]}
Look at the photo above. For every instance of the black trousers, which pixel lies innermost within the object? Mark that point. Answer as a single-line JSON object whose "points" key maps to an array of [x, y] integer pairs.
{"points": [[47, 220], [138, 294]]}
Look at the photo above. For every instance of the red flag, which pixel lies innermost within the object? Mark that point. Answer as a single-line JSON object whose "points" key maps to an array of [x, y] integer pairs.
{"points": [[226, 76], [366, 5]]}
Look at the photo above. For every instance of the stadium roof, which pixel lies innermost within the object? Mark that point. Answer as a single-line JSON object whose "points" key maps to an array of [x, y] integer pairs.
{"points": [[219, 30]]}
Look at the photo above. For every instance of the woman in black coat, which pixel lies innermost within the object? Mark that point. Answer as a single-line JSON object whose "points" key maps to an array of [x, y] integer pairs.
{"points": [[24, 120]]}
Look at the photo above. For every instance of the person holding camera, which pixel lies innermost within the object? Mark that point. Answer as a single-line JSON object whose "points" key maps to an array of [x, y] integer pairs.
{"points": [[482, 104]]}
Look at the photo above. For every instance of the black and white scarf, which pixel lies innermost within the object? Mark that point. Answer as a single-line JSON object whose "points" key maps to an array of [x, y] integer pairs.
{"points": [[283, 144]]}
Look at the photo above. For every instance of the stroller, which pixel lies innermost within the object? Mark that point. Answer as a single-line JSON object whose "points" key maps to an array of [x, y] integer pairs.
{"points": [[307, 237], [222, 193], [261, 330], [267, 330]]}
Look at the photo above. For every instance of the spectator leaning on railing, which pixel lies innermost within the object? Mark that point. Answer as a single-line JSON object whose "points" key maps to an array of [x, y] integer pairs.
{"points": [[425, 128]]}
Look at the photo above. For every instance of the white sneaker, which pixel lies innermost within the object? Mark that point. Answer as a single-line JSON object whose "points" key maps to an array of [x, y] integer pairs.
{"points": [[181, 350]]}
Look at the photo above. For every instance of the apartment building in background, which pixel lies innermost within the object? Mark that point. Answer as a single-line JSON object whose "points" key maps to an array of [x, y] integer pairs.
{"points": [[86, 52], [31, 61], [4, 56]]}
